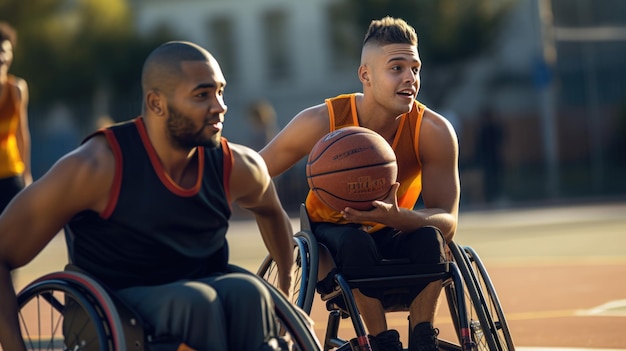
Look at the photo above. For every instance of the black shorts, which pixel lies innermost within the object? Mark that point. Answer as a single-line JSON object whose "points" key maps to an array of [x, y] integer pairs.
{"points": [[359, 254], [9, 187]]}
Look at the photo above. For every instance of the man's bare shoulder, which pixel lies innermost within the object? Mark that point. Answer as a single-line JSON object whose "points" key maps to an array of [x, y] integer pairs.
{"points": [[94, 154], [19, 86], [296, 139], [315, 114], [80, 180], [309, 125], [438, 139], [245, 156], [249, 177], [434, 122], [90, 168]]}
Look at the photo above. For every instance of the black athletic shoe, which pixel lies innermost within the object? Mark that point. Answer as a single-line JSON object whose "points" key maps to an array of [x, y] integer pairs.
{"points": [[424, 338], [389, 340]]}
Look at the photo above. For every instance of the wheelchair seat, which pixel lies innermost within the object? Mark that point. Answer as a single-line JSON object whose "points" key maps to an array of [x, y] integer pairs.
{"points": [[70, 310], [392, 279], [475, 310]]}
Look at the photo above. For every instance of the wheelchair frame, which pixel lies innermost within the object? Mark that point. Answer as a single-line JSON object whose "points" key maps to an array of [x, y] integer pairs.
{"points": [[474, 306], [98, 320]]}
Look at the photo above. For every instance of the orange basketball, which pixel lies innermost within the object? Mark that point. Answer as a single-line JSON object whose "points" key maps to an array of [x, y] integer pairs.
{"points": [[351, 167]]}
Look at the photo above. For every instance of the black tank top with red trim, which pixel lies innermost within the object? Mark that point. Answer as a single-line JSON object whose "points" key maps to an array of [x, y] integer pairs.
{"points": [[153, 231]]}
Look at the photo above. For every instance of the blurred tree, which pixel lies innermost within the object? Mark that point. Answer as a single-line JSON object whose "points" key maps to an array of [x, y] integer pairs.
{"points": [[450, 32], [73, 51]]}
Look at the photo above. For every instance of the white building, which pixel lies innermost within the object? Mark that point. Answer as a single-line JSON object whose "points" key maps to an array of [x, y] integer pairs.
{"points": [[295, 53], [280, 50]]}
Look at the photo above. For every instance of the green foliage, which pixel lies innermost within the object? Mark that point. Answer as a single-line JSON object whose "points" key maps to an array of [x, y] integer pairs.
{"points": [[68, 49], [449, 31]]}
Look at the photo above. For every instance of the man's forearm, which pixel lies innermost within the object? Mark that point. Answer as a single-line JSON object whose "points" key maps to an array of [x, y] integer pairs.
{"points": [[10, 336], [278, 242]]}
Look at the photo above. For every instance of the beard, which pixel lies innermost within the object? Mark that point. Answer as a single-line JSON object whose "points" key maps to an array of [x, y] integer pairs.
{"points": [[184, 133]]}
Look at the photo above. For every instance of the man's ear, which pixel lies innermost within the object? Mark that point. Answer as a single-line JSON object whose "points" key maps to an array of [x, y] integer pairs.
{"points": [[364, 75], [155, 103]]}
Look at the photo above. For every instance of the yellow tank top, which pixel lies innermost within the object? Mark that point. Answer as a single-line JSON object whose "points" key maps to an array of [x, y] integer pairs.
{"points": [[342, 113], [11, 163]]}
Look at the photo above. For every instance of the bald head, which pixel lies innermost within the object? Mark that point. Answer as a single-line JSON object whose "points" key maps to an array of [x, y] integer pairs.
{"points": [[163, 70]]}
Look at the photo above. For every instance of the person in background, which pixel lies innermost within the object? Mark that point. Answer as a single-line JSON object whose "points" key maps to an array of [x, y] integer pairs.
{"points": [[489, 142], [15, 171], [262, 117]]}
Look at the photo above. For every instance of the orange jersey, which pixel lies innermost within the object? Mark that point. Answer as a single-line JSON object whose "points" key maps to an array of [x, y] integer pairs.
{"points": [[342, 113], [11, 163]]}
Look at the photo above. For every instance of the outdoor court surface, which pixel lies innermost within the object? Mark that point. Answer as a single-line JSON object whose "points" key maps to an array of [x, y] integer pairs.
{"points": [[560, 272]]}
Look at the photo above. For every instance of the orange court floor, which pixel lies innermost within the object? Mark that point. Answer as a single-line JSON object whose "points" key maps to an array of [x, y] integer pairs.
{"points": [[559, 272]]}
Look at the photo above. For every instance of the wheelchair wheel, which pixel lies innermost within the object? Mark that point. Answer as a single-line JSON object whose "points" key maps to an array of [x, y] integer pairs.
{"points": [[482, 328], [494, 308], [295, 328], [57, 312], [304, 270]]}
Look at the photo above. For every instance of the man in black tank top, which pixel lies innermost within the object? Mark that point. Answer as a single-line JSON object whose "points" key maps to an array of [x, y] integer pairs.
{"points": [[148, 202]]}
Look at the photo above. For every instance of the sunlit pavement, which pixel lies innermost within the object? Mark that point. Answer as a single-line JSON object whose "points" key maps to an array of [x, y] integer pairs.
{"points": [[559, 272]]}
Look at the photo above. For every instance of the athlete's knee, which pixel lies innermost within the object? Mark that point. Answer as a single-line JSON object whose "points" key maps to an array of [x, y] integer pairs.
{"points": [[193, 302], [242, 287], [194, 295], [428, 244], [357, 246]]}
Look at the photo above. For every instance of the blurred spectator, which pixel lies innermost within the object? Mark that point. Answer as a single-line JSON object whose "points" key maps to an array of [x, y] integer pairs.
{"points": [[103, 121], [262, 117], [291, 185], [15, 172], [489, 154], [60, 134]]}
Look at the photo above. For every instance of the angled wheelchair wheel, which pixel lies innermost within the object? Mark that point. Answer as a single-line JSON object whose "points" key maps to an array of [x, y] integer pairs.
{"points": [[460, 312], [60, 311], [295, 327], [483, 331], [494, 308], [304, 270]]}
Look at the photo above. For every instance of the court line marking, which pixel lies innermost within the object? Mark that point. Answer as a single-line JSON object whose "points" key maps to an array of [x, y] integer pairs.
{"points": [[529, 261], [615, 308]]}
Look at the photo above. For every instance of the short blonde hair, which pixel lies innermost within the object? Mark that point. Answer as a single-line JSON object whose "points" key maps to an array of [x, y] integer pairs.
{"points": [[390, 30]]}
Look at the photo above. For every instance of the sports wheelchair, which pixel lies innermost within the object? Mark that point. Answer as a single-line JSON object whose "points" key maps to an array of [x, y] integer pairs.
{"points": [[69, 310], [474, 307]]}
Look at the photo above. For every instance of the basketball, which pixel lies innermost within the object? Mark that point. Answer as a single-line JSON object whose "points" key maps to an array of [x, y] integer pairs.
{"points": [[351, 167]]}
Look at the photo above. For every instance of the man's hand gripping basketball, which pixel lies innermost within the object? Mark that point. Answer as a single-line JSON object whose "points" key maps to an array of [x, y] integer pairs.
{"points": [[384, 211]]}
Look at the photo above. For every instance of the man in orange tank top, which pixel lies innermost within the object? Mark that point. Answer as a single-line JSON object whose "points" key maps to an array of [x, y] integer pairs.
{"points": [[427, 151], [14, 133]]}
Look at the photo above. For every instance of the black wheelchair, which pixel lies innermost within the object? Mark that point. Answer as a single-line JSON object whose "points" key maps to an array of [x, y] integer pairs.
{"points": [[69, 310], [475, 310]]}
